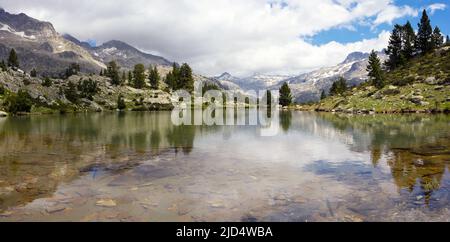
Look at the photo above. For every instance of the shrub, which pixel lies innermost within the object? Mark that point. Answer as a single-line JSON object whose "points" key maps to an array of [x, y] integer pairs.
{"points": [[47, 82], [20, 102], [121, 103], [71, 92], [403, 82], [88, 88]]}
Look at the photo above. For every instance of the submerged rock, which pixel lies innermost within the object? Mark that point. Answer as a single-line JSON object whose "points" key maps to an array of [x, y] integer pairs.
{"points": [[106, 203]]}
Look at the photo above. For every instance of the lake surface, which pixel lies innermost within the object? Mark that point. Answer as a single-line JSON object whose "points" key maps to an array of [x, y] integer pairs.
{"points": [[140, 167]]}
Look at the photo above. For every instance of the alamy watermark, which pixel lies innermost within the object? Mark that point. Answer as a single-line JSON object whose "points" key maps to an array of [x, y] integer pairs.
{"points": [[227, 108]]}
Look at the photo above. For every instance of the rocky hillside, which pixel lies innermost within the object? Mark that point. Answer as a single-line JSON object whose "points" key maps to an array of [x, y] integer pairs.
{"points": [[306, 87], [54, 97], [39, 45], [124, 54], [422, 85], [255, 82]]}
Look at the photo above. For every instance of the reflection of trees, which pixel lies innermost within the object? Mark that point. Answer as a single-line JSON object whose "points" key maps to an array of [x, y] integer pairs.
{"points": [[416, 146], [181, 138], [285, 120]]}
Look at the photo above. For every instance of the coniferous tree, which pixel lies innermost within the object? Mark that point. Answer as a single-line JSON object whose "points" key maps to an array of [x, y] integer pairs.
{"points": [[2, 66], [285, 95], [121, 105], [447, 41], [323, 95], [424, 42], [71, 92], [376, 74], [338, 87], [268, 98], [130, 77], [154, 77], [124, 78], [409, 38], [113, 72], [172, 77], [438, 38], [33, 73], [13, 60], [394, 49], [73, 69], [139, 76], [185, 79]]}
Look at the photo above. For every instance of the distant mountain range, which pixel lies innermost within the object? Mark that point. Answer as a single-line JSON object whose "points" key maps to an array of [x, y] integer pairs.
{"points": [[40, 46], [306, 87]]}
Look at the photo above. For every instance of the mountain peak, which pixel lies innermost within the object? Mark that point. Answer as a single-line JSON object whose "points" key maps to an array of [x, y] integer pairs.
{"points": [[24, 23], [225, 75], [355, 56]]}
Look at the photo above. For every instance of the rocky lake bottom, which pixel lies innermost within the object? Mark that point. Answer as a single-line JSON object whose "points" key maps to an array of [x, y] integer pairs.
{"points": [[140, 167]]}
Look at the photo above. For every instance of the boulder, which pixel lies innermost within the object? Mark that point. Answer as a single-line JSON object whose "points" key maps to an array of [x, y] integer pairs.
{"points": [[431, 80], [416, 99], [3, 114]]}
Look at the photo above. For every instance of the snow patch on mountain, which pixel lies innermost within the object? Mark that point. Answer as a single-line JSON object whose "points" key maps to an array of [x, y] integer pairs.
{"points": [[5, 27]]}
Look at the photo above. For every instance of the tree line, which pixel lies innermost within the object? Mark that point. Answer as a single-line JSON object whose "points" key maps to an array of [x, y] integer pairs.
{"points": [[177, 78], [404, 45]]}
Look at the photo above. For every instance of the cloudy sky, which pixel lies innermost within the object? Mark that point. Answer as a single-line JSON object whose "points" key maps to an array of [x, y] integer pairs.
{"points": [[238, 36]]}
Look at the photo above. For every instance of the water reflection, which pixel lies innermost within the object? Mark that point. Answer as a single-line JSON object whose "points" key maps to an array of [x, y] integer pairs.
{"points": [[363, 153]]}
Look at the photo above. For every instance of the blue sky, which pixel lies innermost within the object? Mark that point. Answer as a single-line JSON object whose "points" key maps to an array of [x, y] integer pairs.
{"points": [[358, 32], [236, 36]]}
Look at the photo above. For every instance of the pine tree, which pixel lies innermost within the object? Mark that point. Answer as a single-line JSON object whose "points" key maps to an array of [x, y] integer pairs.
{"points": [[323, 95], [13, 61], [33, 73], [424, 36], [124, 78], [3, 66], [409, 38], [447, 41], [185, 79], [121, 105], [438, 38], [376, 75], [285, 95], [394, 49], [101, 72], [113, 72], [338, 87], [139, 76], [130, 77], [154, 77]]}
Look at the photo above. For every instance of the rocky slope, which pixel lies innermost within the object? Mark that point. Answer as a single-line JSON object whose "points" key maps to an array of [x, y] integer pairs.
{"points": [[39, 46], [306, 87], [255, 82], [124, 54], [423, 85]]}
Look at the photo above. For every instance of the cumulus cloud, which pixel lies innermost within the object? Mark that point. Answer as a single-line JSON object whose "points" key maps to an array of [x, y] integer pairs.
{"points": [[391, 13], [241, 37], [436, 6]]}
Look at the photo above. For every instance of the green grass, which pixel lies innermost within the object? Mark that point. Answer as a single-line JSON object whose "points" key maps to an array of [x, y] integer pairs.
{"points": [[408, 80]]}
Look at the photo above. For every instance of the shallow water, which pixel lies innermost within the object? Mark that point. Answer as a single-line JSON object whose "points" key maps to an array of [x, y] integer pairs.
{"points": [[140, 167]]}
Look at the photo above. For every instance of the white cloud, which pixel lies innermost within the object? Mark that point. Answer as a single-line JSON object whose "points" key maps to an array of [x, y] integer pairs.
{"points": [[237, 36], [390, 13], [436, 6]]}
